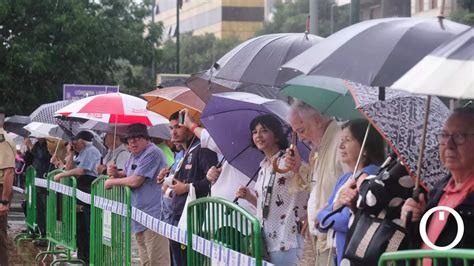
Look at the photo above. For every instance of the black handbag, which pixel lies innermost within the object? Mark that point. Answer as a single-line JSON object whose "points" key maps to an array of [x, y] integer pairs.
{"points": [[370, 237]]}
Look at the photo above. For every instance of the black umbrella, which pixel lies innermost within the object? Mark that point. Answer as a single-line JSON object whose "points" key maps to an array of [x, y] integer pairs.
{"points": [[374, 52], [253, 66], [16, 123]]}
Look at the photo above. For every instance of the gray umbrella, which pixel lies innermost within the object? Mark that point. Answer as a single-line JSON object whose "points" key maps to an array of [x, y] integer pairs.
{"points": [[16, 123], [45, 113], [253, 66], [374, 52]]}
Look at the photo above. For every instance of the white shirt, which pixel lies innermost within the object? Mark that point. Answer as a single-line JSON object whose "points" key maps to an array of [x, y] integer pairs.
{"points": [[286, 208], [230, 180]]}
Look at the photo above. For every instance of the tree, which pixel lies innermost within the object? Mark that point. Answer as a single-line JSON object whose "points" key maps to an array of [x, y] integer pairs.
{"points": [[196, 52], [47, 43], [291, 17]]}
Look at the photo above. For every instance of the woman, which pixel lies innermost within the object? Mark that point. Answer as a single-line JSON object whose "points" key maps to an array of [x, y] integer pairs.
{"points": [[456, 145], [352, 136], [279, 209]]}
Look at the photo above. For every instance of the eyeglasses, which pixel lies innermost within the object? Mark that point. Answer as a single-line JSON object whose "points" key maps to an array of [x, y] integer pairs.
{"points": [[458, 138]]}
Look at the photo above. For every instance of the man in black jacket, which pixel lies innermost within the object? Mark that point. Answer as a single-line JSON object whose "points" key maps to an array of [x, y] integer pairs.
{"points": [[38, 156], [191, 170]]}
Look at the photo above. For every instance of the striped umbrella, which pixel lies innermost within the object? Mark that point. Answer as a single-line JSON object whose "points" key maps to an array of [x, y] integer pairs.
{"points": [[448, 71], [113, 108]]}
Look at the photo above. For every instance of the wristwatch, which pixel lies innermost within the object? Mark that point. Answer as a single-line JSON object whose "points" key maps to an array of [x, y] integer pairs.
{"points": [[4, 202]]}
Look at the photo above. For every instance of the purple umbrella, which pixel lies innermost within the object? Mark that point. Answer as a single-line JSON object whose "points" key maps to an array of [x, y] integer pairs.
{"points": [[227, 117]]}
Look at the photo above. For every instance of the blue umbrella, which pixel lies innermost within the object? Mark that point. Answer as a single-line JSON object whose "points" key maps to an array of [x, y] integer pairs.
{"points": [[227, 117]]}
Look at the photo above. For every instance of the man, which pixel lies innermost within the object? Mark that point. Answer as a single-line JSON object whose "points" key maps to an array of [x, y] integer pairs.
{"points": [[117, 153], [84, 168], [143, 166], [456, 191], [191, 170], [323, 136], [7, 173], [38, 156]]}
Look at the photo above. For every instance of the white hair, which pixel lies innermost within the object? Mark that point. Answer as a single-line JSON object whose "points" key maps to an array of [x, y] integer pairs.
{"points": [[304, 110]]}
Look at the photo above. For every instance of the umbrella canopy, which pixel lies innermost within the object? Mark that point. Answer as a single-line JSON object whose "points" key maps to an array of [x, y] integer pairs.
{"points": [[227, 117], [45, 113], [203, 85], [16, 123], [167, 101], [158, 131], [330, 96], [115, 108], [258, 60], [44, 130], [375, 52], [448, 71], [398, 120]]}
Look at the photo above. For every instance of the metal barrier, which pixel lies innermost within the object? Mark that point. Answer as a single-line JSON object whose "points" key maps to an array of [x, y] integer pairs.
{"points": [[31, 203], [110, 225], [224, 223], [415, 257], [61, 218]]}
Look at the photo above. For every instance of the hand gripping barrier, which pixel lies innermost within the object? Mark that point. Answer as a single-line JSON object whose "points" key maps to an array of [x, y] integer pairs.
{"points": [[222, 224], [61, 218], [228, 233], [31, 203], [450, 257], [110, 228]]}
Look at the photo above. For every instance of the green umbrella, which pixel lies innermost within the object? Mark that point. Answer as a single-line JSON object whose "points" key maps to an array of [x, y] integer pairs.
{"points": [[328, 95]]}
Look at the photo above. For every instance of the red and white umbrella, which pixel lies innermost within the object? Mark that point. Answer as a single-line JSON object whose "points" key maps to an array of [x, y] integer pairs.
{"points": [[112, 108]]}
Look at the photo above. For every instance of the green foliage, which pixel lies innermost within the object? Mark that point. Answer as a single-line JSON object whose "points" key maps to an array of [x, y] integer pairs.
{"points": [[291, 17], [197, 52], [464, 16], [47, 43]]}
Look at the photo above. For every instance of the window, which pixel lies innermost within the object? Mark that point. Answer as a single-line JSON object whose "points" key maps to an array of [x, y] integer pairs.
{"points": [[421, 5], [434, 4]]}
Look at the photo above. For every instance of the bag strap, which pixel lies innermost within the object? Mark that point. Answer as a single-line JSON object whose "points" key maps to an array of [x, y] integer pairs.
{"points": [[268, 195]]}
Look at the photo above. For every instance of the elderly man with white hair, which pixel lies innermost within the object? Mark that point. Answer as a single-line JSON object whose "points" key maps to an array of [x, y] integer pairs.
{"points": [[320, 175]]}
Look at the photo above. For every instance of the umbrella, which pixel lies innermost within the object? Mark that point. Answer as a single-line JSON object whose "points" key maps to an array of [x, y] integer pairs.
{"points": [[167, 101], [257, 61], [227, 117], [253, 66], [374, 52], [44, 130], [16, 123], [158, 131], [397, 119], [203, 87], [330, 96], [447, 71], [114, 108], [45, 113]]}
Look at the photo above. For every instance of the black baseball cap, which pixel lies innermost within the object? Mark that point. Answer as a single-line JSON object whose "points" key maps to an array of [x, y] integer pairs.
{"points": [[84, 135]]}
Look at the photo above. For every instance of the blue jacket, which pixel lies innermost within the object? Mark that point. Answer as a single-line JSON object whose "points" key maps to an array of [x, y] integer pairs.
{"points": [[341, 220]]}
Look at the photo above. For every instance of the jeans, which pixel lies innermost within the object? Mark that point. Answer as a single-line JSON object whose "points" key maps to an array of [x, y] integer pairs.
{"points": [[288, 257]]}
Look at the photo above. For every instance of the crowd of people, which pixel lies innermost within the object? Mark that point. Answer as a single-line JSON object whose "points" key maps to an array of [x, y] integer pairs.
{"points": [[330, 199]]}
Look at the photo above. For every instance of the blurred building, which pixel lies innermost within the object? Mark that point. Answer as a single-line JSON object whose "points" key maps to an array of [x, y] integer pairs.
{"points": [[241, 18], [371, 9]]}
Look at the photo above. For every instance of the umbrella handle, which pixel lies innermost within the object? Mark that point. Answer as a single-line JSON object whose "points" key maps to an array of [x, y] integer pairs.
{"points": [[275, 162]]}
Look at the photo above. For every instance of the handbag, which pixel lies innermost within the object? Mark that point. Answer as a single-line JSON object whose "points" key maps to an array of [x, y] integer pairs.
{"points": [[370, 237], [183, 221]]}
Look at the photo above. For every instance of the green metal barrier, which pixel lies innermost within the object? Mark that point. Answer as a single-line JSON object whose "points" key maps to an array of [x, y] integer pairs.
{"points": [[225, 223], [31, 224], [110, 232], [61, 220], [415, 257]]}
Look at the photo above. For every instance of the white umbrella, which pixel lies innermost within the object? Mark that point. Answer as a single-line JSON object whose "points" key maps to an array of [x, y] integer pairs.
{"points": [[44, 130], [448, 71], [157, 131]]}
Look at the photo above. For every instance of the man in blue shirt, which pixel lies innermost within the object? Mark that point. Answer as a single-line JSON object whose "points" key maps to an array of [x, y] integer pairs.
{"points": [[139, 174], [84, 168]]}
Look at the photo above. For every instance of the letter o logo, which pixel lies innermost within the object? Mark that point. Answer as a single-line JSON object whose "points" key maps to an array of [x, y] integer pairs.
{"points": [[459, 222]]}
